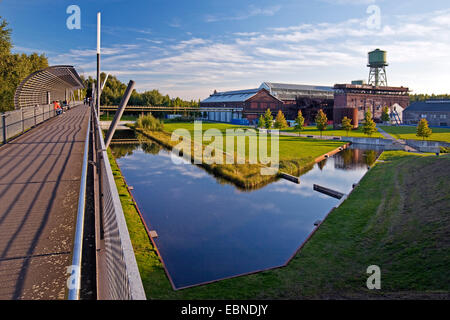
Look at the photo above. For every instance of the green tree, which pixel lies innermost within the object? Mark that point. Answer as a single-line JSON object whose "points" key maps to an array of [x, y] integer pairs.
{"points": [[321, 121], [299, 121], [280, 121], [14, 67], [347, 125], [268, 119], [423, 131], [385, 115], [369, 126], [261, 122]]}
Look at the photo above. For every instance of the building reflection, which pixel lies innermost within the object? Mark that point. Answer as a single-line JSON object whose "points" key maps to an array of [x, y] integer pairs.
{"points": [[355, 158]]}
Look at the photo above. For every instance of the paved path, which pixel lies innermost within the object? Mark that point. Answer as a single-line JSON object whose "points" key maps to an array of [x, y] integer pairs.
{"points": [[40, 176], [400, 142]]}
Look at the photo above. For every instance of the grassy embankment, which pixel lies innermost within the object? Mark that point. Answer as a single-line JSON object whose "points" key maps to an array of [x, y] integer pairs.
{"points": [[439, 134], [397, 218], [295, 154], [313, 131]]}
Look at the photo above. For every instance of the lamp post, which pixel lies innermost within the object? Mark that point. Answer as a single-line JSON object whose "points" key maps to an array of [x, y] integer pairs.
{"points": [[98, 63]]}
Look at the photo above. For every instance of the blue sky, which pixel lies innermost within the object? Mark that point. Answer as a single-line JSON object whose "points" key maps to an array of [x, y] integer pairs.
{"points": [[191, 48]]}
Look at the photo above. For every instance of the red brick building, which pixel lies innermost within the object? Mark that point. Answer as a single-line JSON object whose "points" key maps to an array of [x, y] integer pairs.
{"points": [[254, 102], [307, 98], [354, 101]]}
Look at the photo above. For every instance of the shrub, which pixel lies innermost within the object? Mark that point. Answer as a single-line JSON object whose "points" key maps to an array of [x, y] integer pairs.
{"points": [[299, 121], [321, 121], [268, 119], [280, 121], [149, 122], [423, 131], [261, 122], [369, 126], [347, 124]]}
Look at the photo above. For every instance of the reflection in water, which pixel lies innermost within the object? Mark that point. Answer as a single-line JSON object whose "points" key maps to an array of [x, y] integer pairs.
{"points": [[208, 230], [351, 158], [151, 147], [321, 164]]}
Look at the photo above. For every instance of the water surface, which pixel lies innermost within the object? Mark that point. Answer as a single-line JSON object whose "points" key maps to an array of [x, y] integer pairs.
{"points": [[209, 230]]}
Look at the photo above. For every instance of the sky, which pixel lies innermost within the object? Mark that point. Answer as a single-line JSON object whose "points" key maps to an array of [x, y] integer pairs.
{"points": [[191, 48]]}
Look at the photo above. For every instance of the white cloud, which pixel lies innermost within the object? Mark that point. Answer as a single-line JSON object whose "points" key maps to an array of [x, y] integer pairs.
{"points": [[252, 11], [323, 53]]}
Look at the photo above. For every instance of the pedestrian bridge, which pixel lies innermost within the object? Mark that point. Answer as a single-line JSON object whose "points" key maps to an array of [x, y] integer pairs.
{"points": [[62, 230]]}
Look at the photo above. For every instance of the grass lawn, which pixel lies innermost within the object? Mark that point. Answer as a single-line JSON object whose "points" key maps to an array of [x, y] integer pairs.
{"points": [[172, 126], [404, 132], [312, 130], [397, 218]]}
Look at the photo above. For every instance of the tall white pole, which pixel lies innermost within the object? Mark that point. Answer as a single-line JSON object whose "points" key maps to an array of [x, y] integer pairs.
{"points": [[98, 62]]}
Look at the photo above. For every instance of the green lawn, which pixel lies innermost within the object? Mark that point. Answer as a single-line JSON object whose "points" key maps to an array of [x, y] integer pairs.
{"points": [[172, 126], [312, 130], [397, 218], [439, 134]]}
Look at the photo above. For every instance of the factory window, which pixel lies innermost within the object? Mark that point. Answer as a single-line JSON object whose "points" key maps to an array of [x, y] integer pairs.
{"points": [[443, 116], [423, 116]]}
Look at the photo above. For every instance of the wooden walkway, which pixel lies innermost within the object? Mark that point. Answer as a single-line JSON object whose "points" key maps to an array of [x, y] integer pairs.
{"points": [[40, 176]]}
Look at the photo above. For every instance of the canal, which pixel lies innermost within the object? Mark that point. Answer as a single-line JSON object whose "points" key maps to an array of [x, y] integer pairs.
{"points": [[210, 230]]}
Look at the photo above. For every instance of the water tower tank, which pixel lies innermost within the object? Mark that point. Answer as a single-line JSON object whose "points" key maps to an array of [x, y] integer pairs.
{"points": [[378, 58]]}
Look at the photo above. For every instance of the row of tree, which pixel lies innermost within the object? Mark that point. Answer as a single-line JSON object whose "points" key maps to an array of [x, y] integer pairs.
{"points": [[424, 97], [114, 89], [14, 67], [266, 121]]}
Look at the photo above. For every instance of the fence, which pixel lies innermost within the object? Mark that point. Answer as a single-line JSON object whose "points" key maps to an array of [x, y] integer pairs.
{"points": [[16, 122], [118, 273]]}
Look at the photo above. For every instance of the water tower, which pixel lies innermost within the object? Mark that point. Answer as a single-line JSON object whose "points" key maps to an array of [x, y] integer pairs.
{"points": [[377, 65]]}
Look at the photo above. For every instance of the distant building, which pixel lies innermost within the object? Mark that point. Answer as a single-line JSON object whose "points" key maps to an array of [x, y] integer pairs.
{"points": [[353, 101], [277, 96], [437, 113], [350, 100], [307, 98], [253, 103]]}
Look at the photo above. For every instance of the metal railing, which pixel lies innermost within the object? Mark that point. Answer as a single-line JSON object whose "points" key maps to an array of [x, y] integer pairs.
{"points": [[16, 122], [118, 275], [74, 290]]}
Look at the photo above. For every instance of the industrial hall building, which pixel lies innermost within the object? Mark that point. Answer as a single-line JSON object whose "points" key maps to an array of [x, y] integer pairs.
{"points": [[339, 101], [437, 113]]}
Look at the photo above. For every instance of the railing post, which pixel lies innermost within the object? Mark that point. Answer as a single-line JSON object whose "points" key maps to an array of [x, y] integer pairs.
{"points": [[119, 113], [21, 120], [4, 128], [34, 115]]}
